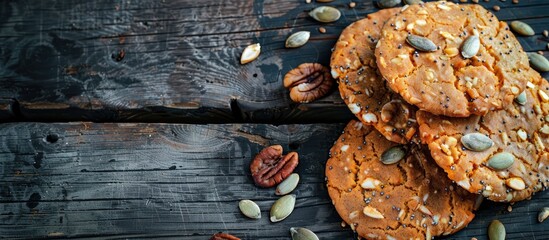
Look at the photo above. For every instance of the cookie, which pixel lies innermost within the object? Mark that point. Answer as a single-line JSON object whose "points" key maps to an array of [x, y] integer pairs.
{"points": [[444, 82], [409, 199], [520, 139], [362, 88]]}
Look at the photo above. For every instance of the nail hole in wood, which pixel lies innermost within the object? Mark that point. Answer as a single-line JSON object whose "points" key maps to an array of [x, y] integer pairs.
{"points": [[52, 138]]}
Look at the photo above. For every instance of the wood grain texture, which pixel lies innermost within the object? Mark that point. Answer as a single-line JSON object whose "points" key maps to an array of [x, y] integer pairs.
{"points": [[178, 182], [177, 61]]}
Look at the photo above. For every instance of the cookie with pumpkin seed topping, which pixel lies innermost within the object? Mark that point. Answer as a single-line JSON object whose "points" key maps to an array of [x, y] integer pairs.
{"points": [[514, 164], [362, 88], [423, 55], [409, 199]]}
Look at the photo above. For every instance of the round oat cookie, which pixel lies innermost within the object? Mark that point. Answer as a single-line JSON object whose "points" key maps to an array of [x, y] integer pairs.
{"points": [[360, 85], [407, 200], [443, 82], [521, 130]]}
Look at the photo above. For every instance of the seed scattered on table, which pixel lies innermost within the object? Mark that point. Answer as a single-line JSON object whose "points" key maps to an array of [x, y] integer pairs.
{"points": [[515, 1], [249, 209], [496, 230], [297, 39], [322, 30], [282, 208], [545, 33], [543, 214], [352, 4], [497, 8], [522, 28], [325, 14], [250, 53], [299, 233]]}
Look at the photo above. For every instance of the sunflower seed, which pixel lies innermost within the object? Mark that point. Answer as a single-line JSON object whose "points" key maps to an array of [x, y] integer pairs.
{"points": [[543, 214], [249, 209], [288, 185], [501, 161], [297, 39], [515, 183], [522, 28], [393, 155], [538, 62], [388, 3], [477, 142], [521, 98], [250, 53], [470, 46], [299, 233], [412, 2], [496, 230], [421, 43], [282, 208], [372, 212], [325, 14]]}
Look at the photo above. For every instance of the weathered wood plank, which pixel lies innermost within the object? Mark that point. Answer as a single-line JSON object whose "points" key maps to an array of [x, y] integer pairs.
{"points": [[177, 181], [176, 61]]}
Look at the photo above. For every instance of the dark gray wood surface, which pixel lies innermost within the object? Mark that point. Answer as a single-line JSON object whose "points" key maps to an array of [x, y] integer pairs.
{"points": [[62, 60], [179, 181]]}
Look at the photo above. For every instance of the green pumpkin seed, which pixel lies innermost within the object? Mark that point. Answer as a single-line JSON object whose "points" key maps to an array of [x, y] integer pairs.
{"points": [[496, 230], [300, 233], [282, 208], [325, 14], [249, 209], [298, 39], [288, 185], [393, 155], [522, 28], [421, 43], [538, 62], [388, 3], [521, 98], [543, 214], [501, 161], [412, 2], [477, 142], [470, 46]]}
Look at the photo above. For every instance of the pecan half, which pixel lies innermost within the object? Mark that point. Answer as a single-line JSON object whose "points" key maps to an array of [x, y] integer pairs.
{"points": [[223, 236], [308, 82], [270, 167]]}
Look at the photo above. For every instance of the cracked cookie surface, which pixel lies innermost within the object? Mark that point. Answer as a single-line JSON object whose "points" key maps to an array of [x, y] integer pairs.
{"points": [[443, 82], [520, 129], [362, 88], [406, 200]]}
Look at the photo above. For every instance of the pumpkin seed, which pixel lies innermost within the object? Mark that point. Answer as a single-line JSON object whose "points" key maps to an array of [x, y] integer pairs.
{"points": [[543, 214], [282, 208], [388, 3], [393, 155], [298, 39], [421, 43], [470, 46], [496, 230], [412, 2], [522, 28], [501, 161], [249, 209], [477, 142], [250, 53], [299, 233], [538, 62], [325, 14], [288, 185], [521, 98]]}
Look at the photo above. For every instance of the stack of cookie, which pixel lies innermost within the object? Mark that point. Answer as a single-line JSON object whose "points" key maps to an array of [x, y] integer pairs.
{"points": [[449, 113]]}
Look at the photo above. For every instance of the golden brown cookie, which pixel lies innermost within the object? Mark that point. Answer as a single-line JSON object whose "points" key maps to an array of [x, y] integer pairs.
{"points": [[520, 140], [444, 81], [406, 200], [362, 88]]}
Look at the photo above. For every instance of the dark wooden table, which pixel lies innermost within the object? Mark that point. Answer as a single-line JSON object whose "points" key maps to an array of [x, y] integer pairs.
{"points": [[177, 119]]}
